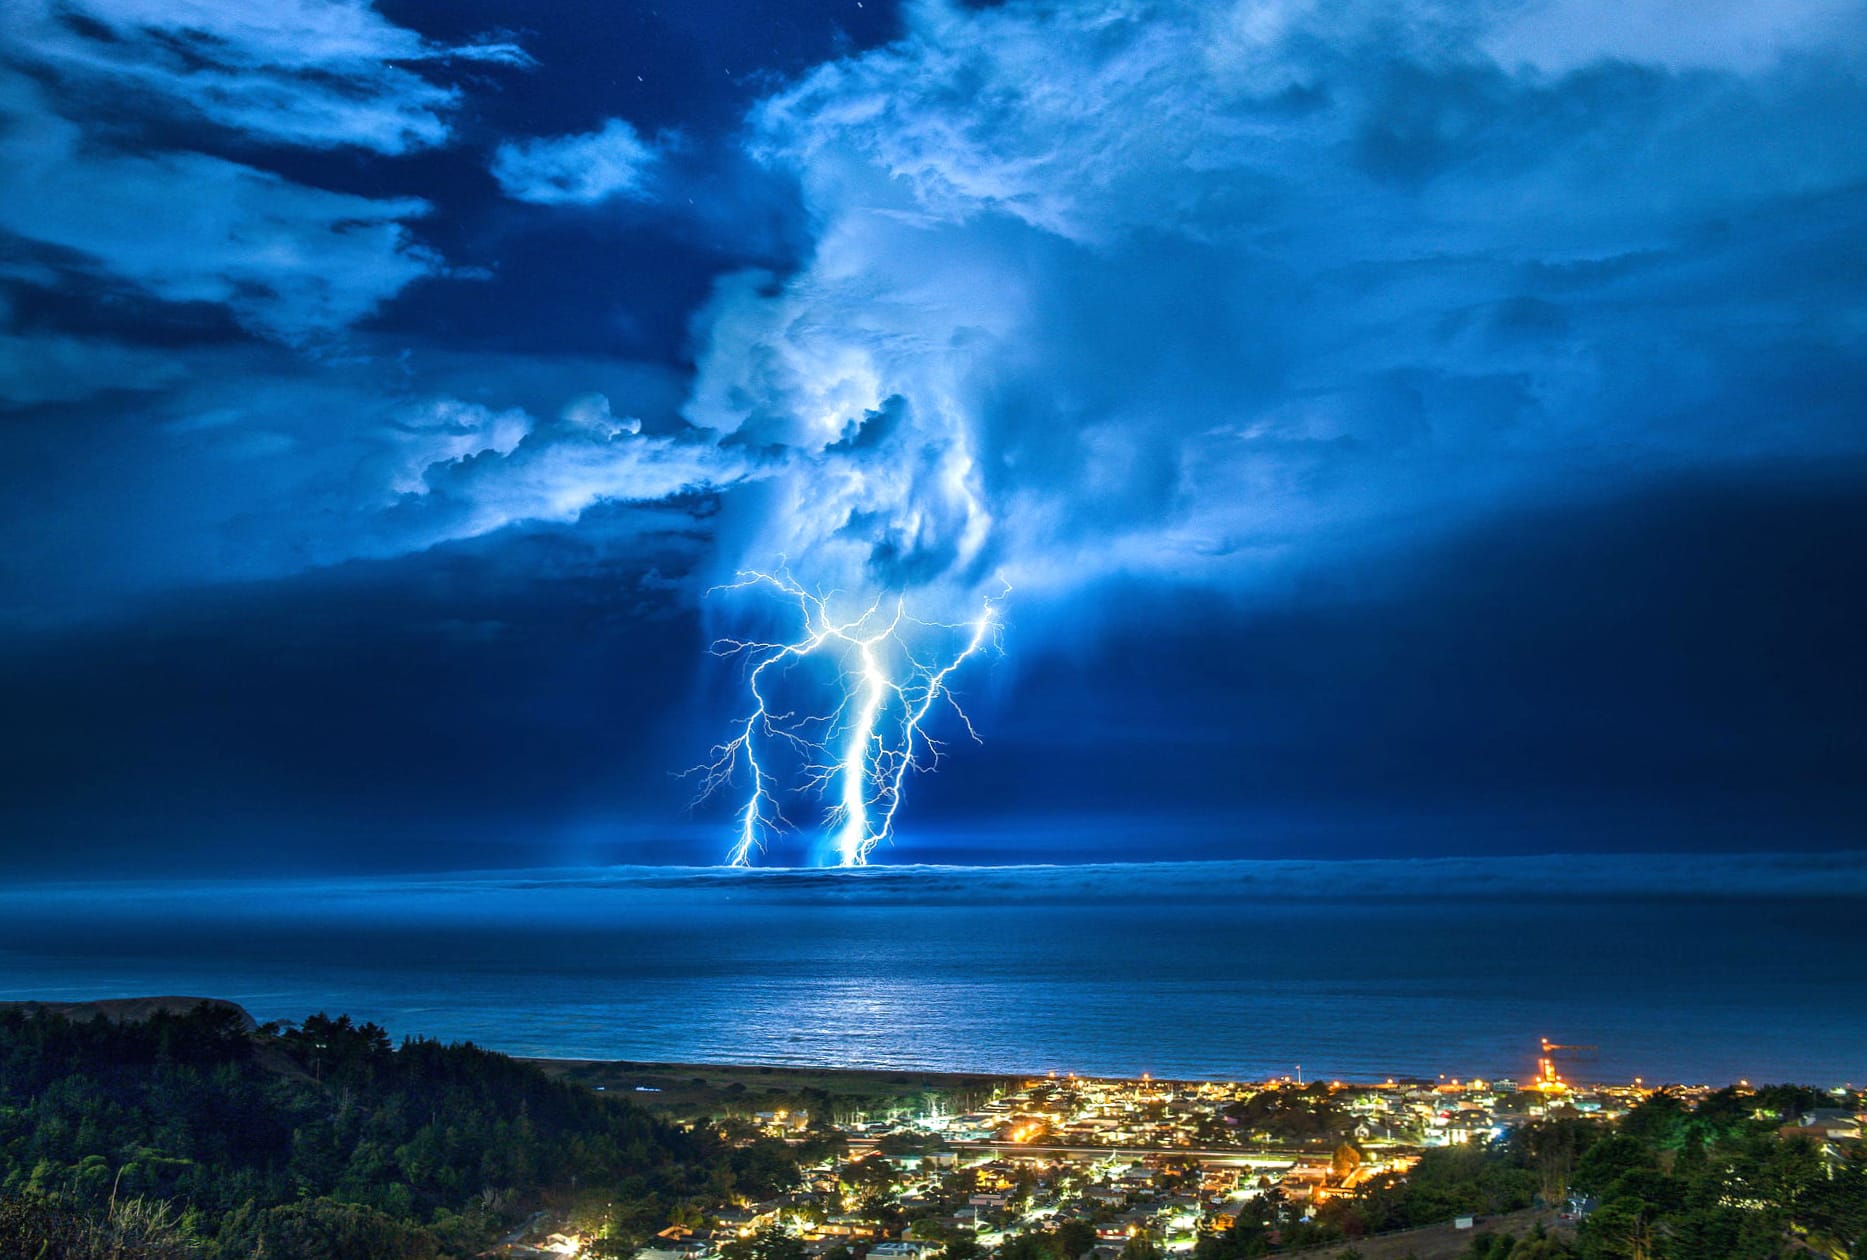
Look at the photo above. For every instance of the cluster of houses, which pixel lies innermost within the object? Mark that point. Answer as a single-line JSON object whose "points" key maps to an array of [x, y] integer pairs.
{"points": [[943, 1195], [1192, 1116], [1129, 1160]]}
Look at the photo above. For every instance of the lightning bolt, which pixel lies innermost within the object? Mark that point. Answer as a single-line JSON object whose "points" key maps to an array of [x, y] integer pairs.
{"points": [[891, 678]]}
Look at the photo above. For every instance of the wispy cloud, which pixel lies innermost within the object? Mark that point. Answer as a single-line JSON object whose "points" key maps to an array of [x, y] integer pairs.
{"points": [[613, 161], [290, 262], [320, 73], [1562, 35], [89, 82]]}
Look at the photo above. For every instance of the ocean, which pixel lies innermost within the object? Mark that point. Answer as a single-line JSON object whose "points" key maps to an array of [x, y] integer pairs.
{"points": [[1693, 969]]}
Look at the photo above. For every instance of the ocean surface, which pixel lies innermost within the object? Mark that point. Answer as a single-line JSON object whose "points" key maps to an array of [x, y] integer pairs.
{"points": [[1678, 968]]}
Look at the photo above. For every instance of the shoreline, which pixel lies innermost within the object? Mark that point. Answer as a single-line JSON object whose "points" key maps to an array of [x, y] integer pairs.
{"points": [[628, 1072], [654, 1076]]}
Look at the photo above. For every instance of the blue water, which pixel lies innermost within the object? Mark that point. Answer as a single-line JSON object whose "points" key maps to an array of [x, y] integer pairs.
{"points": [[1695, 969]]}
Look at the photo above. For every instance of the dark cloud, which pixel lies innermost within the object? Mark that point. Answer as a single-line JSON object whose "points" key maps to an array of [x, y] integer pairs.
{"points": [[1676, 668], [471, 707], [1675, 671]]}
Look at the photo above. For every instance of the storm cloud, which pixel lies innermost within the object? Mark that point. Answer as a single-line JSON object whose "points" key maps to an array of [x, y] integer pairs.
{"points": [[1263, 350], [1151, 289], [1174, 291], [1186, 289]]}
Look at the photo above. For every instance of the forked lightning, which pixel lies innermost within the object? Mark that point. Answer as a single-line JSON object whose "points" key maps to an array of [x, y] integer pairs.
{"points": [[890, 680]]}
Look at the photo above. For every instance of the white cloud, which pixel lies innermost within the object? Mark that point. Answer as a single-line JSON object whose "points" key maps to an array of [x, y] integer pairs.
{"points": [[445, 430], [613, 161], [1161, 288], [591, 414], [1173, 287], [318, 73], [289, 261], [248, 461], [1745, 35], [455, 470], [563, 469]]}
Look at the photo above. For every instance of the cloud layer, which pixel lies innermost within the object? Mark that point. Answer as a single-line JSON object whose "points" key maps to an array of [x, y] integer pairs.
{"points": [[1177, 291], [1157, 289]]}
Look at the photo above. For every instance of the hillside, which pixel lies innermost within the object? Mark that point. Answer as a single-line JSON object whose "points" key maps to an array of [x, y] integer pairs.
{"points": [[132, 1010]]}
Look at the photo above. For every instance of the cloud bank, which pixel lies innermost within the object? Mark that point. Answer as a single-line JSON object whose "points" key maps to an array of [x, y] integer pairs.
{"points": [[1151, 289], [1182, 291]]}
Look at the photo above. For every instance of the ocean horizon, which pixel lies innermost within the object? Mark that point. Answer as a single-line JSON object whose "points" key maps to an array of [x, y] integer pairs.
{"points": [[1687, 968]]}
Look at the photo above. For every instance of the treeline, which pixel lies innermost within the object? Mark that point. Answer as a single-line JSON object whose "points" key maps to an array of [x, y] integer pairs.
{"points": [[1719, 1181], [188, 1135]]}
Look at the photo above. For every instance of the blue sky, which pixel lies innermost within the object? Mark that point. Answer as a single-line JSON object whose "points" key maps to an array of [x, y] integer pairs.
{"points": [[1401, 427]]}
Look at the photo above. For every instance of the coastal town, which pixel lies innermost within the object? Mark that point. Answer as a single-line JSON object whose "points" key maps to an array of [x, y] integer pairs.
{"points": [[355, 1148], [1134, 1169]]}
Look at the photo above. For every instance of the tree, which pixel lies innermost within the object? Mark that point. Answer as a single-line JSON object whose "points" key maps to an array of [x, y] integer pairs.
{"points": [[1140, 1247], [1028, 1247], [1660, 1121], [1610, 1159], [323, 1229], [1620, 1229], [963, 1247], [1551, 1149], [1075, 1238], [769, 1243]]}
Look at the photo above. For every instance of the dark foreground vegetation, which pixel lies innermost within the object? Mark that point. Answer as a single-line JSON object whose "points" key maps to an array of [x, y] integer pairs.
{"points": [[190, 1136], [186, 1135], [1719, 1181]]}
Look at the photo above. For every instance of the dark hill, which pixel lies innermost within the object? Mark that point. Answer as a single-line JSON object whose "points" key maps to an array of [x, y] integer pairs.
{"points": [[134, 1010]]}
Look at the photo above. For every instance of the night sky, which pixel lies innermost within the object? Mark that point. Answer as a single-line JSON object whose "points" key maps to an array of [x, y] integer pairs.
{"points": [[1391, 429]]}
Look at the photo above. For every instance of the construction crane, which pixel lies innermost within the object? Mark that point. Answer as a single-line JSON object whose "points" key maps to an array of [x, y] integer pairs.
{"points": [[1547, 1079], [1583, 1054]]}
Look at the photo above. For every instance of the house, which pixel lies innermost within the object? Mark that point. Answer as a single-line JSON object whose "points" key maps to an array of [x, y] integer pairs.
{"points": [[744, 1221], [685, 1249], [1836, 1124], [936, 1228], [904, 1249]]}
